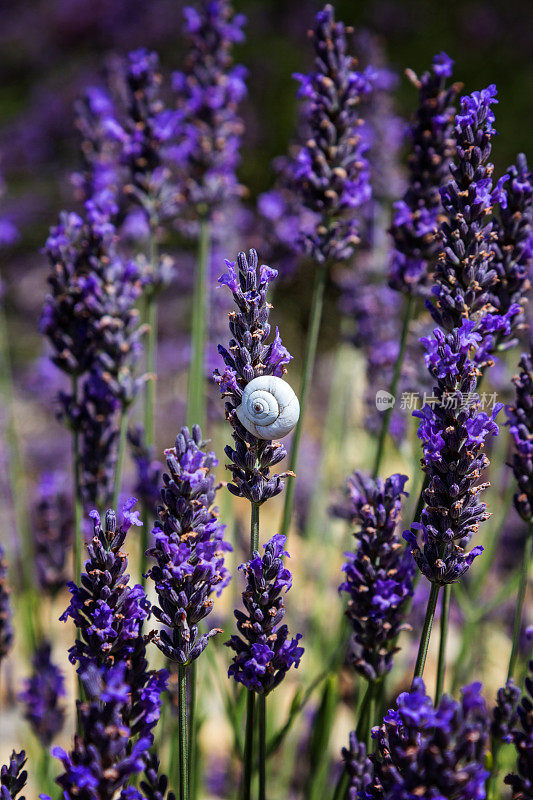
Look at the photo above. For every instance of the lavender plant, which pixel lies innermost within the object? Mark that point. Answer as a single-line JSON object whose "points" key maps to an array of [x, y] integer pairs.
{"points": [[6, 629], [330, 175], [42, 696], [13, 777], [208, 92], [189, 553]]}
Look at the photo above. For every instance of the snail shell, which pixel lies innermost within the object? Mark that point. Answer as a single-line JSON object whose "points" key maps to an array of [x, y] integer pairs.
{"points": [[269, 408]]}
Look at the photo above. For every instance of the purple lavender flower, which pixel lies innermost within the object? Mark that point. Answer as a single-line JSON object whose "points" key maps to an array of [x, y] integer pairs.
{"points": [[520, 421], [106, 610], [42, 694], [145, 130], [208, 93], [6, 628], [13, 777], [248, 356], [8, 232], [330, 172], [423, 751], [464, 274], [453, 429], [189, 549], [154, 785], [104, 758], [52, 526], [263, 651], [513, 251], [358, 766], [91, 322], [418, 214], [505, 712], [378, 575], [521, 782]]}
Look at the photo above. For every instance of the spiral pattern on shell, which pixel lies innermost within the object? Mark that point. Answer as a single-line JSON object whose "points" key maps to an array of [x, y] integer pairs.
{"points": [[269, 408]]}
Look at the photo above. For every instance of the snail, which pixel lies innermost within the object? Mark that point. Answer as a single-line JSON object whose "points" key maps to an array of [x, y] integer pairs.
{"points": [[269, 408]]}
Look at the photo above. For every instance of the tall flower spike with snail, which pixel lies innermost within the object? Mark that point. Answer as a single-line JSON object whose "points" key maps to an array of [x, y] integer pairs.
{"points": [[260, 406]]}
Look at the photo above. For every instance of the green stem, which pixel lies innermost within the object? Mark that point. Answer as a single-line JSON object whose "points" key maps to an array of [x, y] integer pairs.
{"points": [[122, 439], [341, 788], [366, 712], [426, 631], [444, 617], [519, 609], [492, 780], [309, 363], [183, 742], [192, 725], [248, 747], [250, 700], [408, 311], [200, 313], [262, 746]]}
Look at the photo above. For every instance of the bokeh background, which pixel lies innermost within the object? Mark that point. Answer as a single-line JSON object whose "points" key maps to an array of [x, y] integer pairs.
{"points": [[49, 52]]}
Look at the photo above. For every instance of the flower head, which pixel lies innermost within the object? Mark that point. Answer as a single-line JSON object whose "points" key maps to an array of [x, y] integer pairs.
{"points": [[378, 575], [13, 777], [263, 651], [188, 549], [428, 751], [41, 696], [249, 355]]}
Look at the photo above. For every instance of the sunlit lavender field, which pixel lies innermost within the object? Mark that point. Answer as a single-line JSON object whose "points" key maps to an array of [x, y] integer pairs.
{"points": [[266, 384]]}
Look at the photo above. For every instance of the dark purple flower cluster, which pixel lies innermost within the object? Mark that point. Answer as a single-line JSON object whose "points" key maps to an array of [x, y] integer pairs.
{"points": [[209, 91], [8, 231], [145, 131], [6, 628], [98, 180], [513, 251], [418, 214], [104, 757], [188, 549], [464, 273], [106, 610], [148, 469], [52, 527], [423, 751], [154, 785], [378, 575], [521, 782], [520, 421], [358, 766], [90, 320], [248, 356], [13, 777], [330, 172], [42, 694], [453, 429], [505, 712], [263, 651]]}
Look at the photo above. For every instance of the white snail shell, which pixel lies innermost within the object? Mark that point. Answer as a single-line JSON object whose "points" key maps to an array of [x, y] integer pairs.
{"points": [[269, 408]]}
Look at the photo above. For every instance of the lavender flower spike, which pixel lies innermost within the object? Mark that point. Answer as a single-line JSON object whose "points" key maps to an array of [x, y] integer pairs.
{"points": [[103, 758], [418, 214], [330, 172], [189, 549], [423, 751], [521, 782], [42, 694], [13, 777], [464, 275], [453, 429], [52, 525], [208, 93], [6, 629], [520, 421], [378, 575], [505, 712], [250, 354], [263, 652]]}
